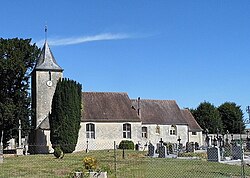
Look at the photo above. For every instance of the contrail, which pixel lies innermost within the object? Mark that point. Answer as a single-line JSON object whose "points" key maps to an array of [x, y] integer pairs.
{"points": [[84, 39]]}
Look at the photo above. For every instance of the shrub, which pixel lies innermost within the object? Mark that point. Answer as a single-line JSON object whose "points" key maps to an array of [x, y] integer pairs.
{"points": [[58, 153], [127, 144], [90, 163]]}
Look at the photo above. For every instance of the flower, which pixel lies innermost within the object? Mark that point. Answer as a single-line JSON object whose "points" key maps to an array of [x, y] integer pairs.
{"points": [[90, 163]]}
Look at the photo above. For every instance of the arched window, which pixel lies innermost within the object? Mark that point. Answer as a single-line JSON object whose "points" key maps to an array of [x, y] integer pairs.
{"points": [[173, 130], [144, 132], [126, 130], [157, 129], [90, 131]]}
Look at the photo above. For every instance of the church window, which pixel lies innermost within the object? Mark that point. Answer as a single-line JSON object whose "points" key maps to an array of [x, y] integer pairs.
{"points": [[157, 129], [194, 133], [126, 130], [173, 130], [49, 75], [144, 132], [90, 131]]}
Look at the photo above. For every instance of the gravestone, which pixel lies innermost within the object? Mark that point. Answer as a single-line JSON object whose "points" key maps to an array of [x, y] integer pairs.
{"points": [[162, 152], [236, 152], [151, 150], [248, 144], [190, 147], [213, 154], [157, 147], [207, 141], [228, 150]]}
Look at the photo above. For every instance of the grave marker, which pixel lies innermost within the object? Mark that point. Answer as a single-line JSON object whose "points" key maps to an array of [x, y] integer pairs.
{"points": [[236, 152], [213, 154], [151, 150], [162, 152]]}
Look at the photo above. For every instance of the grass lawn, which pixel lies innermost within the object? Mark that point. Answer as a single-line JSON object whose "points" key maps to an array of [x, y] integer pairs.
{"points": [[135, 165]]}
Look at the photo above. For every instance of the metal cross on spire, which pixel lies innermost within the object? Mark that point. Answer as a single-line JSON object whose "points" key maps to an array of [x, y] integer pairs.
{"points": [[46, 29]]}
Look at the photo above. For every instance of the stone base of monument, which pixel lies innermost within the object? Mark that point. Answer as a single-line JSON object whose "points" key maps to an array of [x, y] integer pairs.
{"points": [[97, 174], [19, 151]]}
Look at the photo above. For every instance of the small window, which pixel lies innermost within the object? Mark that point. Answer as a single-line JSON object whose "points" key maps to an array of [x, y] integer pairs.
{"points": [[126, 130], [49, 75], [173, 130], [90, 131], [194, 133], [144, 132], [157, 129]]}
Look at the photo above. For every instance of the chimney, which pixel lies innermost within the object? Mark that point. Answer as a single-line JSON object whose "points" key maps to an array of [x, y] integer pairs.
{"points": [[139, 107]]}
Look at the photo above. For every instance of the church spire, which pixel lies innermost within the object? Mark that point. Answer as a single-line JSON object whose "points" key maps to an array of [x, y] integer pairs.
{"points": [[46, 60]]}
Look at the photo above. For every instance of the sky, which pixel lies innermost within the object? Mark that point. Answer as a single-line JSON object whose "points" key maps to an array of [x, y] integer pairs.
{"points": [[190, 51]]}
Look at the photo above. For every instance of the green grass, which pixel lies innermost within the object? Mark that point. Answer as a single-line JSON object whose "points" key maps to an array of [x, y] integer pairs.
{"points": [[135, 165]]}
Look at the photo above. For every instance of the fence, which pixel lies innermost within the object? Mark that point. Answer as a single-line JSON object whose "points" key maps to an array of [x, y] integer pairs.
{"points": [[160, 162]]}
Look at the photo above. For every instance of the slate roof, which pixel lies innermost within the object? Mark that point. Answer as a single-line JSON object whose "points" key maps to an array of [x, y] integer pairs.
{"points": [[163, 112], [46, 60], [107, 107], [192, 123]]}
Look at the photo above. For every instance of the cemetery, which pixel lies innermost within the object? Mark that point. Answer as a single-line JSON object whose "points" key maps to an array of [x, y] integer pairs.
{"points": [[116, 163]]}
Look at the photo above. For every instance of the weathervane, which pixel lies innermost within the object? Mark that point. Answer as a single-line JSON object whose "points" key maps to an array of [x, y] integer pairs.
{"points": [[46, 29]]}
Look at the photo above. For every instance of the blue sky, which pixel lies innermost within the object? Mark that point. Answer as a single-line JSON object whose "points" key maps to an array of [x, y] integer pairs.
{"points": [[186, 50]]}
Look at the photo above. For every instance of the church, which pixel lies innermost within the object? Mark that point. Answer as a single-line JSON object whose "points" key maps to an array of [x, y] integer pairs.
{"points": [[108, 117]]}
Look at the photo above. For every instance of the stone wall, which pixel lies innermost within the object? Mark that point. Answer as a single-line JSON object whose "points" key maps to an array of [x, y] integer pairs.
{"points": [[196, 138], [153, 137], [106, 134]]}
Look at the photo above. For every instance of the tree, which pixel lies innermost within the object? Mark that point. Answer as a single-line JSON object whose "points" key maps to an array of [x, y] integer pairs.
{"points": [[17, 58], [65, 116], [208, 117], [232, 117]]}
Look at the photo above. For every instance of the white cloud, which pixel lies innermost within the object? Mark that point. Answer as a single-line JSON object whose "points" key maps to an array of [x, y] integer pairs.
{"points": [[84, 39]]}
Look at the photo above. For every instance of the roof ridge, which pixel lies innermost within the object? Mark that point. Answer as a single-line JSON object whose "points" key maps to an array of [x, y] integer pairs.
{"points": [[105, 92], [160, 100]]}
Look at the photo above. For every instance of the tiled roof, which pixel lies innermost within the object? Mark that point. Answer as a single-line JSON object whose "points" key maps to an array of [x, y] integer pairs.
{"points": [[46, 60], [164, 112], [107, 107], [192, 123]]}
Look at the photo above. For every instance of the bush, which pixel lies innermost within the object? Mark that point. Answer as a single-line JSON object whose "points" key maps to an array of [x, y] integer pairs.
{"points": [[90, 163], [58, 153], [127, 144]]}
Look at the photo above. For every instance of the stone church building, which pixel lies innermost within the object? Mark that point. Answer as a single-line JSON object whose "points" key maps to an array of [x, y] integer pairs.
{"points": [[108, 117]]}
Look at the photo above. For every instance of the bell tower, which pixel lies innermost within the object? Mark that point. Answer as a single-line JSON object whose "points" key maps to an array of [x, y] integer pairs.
{"points": [[45, 76]]}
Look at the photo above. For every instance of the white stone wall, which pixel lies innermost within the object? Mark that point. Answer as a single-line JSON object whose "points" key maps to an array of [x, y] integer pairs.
{"points": [[44, 95], [196, 138], [154, 138], [106, 134]]}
